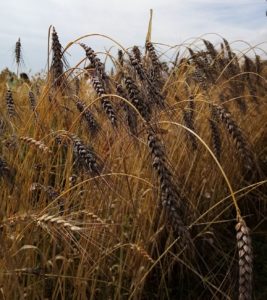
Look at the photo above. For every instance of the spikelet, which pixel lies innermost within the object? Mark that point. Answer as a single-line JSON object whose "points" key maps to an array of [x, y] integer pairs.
{"points": [[106, 104], [51, 194], [18, 55], [57, 66], [228, 49], [153, 56], [10, 104], [200, 77], [86, 156], [4, 169], [95, 62], [39, 145], [6, 172], [244, 246], [130, 113], [136, 99], [137, 54], [32, 100], [171, 200], [47, 221], [154, 85], [120, 58], [142, 252], [216, 138], [212, 51], [2, 126], [49, 190], [236, 133], [139, 68], [18, 52], [92, 124]]}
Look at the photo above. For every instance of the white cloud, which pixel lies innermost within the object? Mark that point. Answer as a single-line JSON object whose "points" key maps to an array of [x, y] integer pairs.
{"points": [[174, 21]]}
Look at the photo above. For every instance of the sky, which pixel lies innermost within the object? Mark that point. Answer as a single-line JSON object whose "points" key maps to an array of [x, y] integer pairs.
{"points": [[126, 21]]}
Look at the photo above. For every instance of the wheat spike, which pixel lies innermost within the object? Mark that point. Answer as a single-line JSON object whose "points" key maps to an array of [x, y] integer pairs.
{"points": [[106, 104], [32, 100], [18, 52], [39, 145], [120, 58], [10, 104], [245, 260], [171, 199], [236, 133], [57, 66], [136, 99], [95, 61], [85, 156], [130, 113], [92, 124], [153, 56]]}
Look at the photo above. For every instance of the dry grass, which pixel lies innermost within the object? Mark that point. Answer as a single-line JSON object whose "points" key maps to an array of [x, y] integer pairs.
{"points": [[130, 185]]}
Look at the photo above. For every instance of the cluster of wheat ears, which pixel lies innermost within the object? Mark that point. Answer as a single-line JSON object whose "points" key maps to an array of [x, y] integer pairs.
{"points": [[145, 182]]}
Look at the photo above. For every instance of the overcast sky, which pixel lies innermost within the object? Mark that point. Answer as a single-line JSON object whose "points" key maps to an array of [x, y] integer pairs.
{"points": [[126, 21]]}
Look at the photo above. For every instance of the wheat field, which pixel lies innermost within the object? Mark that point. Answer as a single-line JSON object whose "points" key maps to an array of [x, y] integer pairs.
{"points": [[144, 180]]}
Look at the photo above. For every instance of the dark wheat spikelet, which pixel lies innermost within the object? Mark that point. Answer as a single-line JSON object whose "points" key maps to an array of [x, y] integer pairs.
{"points": [[153, 56], [18, 52], [200, 77], [228, 49], [77, 84], [245, 260], [4, 169], [258, 64], [137, 54], [138, 67], [10, 104], [51, 194], [120, 57], [131, 115], [236, 133], [85, 156], [32, 100], [216, 138], [189, 123], [171, 200], [57, 66], [136, 98], [212, 51], [88, 116], [106, 104], [95, 61], [154, 86], [2, 126]]}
